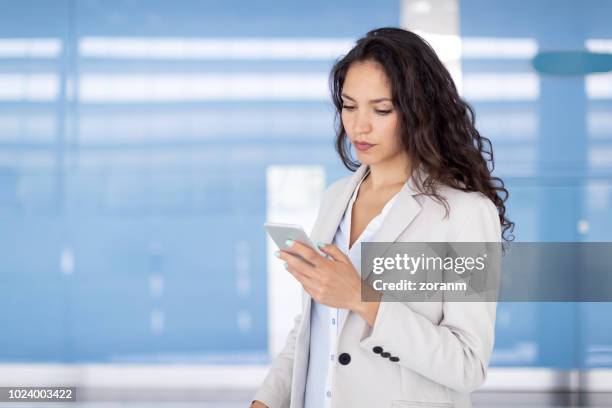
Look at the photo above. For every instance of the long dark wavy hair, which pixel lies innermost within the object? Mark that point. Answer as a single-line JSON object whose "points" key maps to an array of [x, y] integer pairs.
{"points": [[437, 127]]}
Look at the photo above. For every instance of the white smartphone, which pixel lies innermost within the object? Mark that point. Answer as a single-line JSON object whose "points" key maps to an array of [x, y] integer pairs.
{"points": [[280, 233]]}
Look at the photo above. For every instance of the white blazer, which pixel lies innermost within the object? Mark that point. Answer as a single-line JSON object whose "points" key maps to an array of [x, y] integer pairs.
{"points": [[443, 347]]}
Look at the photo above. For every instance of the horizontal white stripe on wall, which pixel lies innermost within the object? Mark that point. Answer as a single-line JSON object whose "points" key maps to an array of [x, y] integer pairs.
{"points": [[599, 44], [501, 86], [237, 377], [599, 86], [498, 48], [214, 48], [200, 87], [599, 124], [29, 87], [30, 47]]}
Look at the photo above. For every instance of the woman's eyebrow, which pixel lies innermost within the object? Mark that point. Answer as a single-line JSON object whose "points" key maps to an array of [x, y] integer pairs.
{"points": [[371, 100]]}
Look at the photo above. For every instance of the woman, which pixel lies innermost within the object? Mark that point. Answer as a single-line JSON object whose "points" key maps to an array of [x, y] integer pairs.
{"points": [[421, 175]]}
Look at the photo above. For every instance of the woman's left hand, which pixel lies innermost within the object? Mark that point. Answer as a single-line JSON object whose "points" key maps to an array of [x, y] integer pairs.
{"points": [[332, 282]]}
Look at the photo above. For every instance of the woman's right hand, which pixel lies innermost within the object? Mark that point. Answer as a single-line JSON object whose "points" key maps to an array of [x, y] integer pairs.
{"points": [[258, 404]]}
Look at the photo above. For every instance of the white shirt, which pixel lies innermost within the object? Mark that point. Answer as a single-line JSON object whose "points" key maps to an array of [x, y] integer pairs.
{"points": [[325, 321]]}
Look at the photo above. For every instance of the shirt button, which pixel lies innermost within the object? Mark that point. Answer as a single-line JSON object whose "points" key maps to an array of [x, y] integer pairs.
{"points": [[333, 321], [328, 394], [332, 357]]}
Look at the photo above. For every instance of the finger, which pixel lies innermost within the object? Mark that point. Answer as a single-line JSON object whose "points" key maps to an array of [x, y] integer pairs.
{"points": [[333, 251], [304, 280], [298, 268], [295, 264], [310, 288], [305, 251]]}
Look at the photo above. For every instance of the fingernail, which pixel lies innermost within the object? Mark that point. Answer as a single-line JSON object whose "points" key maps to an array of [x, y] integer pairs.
{"points": [[321, 244], [289, 242], [277, 254]]}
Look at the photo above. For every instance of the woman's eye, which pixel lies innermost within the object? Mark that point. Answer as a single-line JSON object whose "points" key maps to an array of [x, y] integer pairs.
{"points": [[348, 107], [383, 112]]}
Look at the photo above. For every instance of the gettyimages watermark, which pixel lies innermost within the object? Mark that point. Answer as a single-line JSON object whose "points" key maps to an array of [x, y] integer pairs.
{"points": [[479, 272]]}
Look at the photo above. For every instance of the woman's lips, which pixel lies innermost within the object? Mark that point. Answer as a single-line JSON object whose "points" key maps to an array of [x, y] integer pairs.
{"points": [[363, 146]]}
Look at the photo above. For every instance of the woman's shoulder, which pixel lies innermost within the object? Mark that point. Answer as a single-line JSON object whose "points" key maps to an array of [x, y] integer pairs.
{"points": [[469, 212], [464, 201], [456, 198], [460, 202], [457, 209]]}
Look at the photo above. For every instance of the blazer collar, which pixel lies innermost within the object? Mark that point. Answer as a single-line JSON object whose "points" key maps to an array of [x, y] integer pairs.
{"points": [[399, 217]]}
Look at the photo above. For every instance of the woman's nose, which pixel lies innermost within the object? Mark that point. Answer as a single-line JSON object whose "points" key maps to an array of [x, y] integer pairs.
{"points": [[362, 124]]}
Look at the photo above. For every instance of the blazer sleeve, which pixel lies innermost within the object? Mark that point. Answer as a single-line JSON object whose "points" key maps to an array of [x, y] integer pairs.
{"points": [[455, 352], [275, 390]]}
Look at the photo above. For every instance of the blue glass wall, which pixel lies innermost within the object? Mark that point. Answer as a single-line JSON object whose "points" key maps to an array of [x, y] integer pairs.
{"points": [[553, 150], [127, 204], [130, 197]]}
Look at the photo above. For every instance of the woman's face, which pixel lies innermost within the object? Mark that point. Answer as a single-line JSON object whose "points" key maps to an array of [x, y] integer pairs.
{"points": [[368, 115]]}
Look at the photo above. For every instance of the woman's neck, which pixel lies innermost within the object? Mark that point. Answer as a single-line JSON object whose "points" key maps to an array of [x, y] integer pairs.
{"points": [[387, 174]]}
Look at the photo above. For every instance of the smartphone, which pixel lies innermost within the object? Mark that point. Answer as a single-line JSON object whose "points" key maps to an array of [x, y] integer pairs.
{"points": [[282, 232]]}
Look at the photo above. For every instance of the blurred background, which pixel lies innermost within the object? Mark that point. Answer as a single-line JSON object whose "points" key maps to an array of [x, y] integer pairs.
{"points": [[144, 143]]}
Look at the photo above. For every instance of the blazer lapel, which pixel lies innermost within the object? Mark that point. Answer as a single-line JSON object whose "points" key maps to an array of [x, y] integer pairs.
{"points": [[402, 212], [400, 215], [325, 229]]}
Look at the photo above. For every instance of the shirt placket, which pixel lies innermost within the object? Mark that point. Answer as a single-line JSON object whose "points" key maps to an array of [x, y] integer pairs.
{"points": [[334, 314], [333, 337]]}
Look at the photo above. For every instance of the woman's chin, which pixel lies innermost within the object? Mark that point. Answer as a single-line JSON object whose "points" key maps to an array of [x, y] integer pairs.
{"points": [[363, 157], [366, 159]]}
